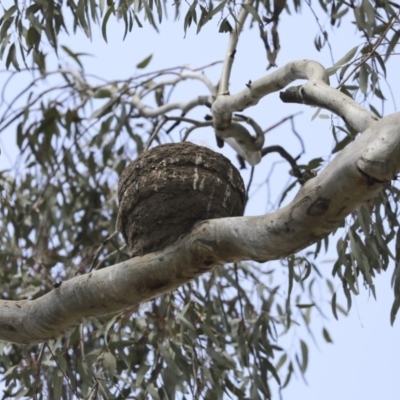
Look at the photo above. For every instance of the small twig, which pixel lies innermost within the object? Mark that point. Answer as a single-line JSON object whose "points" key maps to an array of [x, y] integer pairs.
{"points": [[60, 369], [270, 128], [183, 119], [308, 2], [94, 390], [291, 117], [100, 248], [155, 133], [178, 120], [38, 362], [284, 154], [179, 78], [174, 125], [371, 53], [180, 67], [238, 288], [231, 50], [271, 54], [192, 128], [113, 253], [147, 112]]}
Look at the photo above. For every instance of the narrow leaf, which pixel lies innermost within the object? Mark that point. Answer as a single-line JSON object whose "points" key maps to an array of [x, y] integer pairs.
{"points": [[304, 356], [105, 20], [333, 304], [145, 62], [250, 9], [326, 336], [347, 57]]}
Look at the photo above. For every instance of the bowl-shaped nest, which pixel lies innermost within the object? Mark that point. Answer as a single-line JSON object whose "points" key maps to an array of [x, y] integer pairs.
{"points": [[168, 188]]}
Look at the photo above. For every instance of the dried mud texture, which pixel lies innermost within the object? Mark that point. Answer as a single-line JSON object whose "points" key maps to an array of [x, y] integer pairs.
{"points": [[168, 188]]}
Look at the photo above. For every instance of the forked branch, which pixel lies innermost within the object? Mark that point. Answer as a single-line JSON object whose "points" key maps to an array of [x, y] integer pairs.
{"points": [[355, 175]]}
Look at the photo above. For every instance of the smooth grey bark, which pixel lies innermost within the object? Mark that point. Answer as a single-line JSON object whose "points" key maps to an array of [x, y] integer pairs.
{"points": [[354, 176]]}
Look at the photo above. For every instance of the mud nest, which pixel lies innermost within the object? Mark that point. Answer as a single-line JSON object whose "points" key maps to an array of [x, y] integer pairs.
{"points": [[167, 189]]}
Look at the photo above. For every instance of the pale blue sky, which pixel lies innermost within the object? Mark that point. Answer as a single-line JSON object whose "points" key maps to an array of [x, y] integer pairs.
{"points": [[362, 362]]}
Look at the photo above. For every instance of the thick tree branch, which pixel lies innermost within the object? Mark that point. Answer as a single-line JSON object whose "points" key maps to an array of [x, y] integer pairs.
{"points": [[355, 175], [316, 92], [333, 100], [318, 85]]}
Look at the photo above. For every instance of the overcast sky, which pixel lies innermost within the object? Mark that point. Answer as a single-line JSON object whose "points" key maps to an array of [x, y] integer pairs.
{"points": [[363, 361]]}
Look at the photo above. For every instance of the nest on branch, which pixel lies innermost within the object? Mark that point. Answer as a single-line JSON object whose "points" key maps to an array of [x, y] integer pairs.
{"points": [[170, 187]]}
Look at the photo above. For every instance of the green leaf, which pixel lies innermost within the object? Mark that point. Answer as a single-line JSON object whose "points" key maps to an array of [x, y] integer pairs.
{"points": [[314, 163], [138, 21], [8, 13], [159, 10], [304, 356], [326, 336], [105, 20], [186, 322], [305, 305], [12, 58], [347, 293], [40, 60], [102, 93], [347, 57], [204, 18], [315, 115], [4, 29], [219, 8], [74, 56], [93, 10], [333, 304], [343, 71], [272, 369], [378, 58], [223, 360], [101, 5], [57, 385], [370, 14], [141, 373], [288, 376], [395, 309], [109, 363], [392, 44], [290, 287], [149, 14], [80, 13], [363, 79], [375, 111], [190, 16], [169, 360], [153, 392], [145, 62], [281, 362], [225, 26], [250, 9], [360, 17]]}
